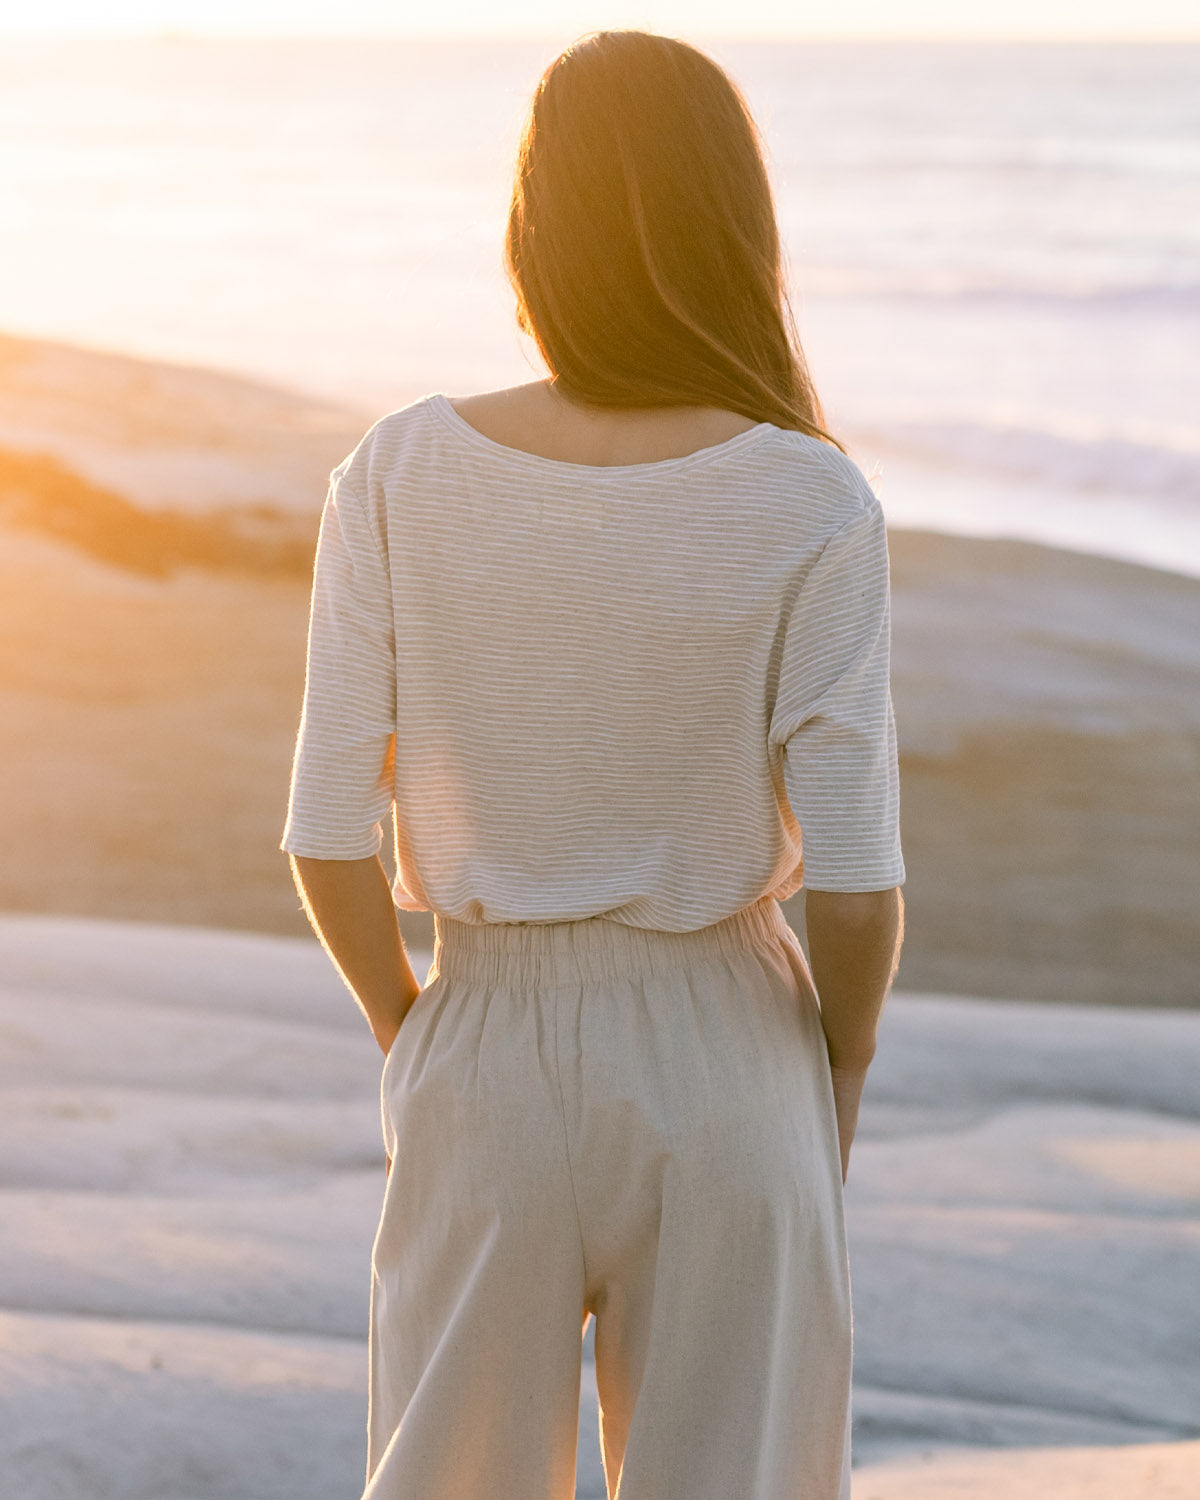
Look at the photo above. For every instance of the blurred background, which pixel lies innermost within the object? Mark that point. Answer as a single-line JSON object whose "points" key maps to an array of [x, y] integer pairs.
{"points": [[225, 256], [232, 236]]}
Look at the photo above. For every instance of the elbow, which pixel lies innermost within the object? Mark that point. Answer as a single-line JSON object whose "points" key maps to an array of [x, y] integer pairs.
{"points": [[867, 916]]}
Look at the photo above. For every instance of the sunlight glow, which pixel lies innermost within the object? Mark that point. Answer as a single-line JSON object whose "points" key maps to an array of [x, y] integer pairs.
{"points": [[851, 19]]}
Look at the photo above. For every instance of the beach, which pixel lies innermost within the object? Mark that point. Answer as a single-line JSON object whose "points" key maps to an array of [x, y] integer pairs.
{"points": [[191, 1163], [225, 259], [191, 1172], [1047, 701]]}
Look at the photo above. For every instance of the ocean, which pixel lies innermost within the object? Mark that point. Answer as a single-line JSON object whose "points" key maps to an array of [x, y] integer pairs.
{"points": [[994, 250]]}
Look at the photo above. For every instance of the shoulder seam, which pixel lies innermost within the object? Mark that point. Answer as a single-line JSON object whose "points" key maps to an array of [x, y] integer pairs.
{"points": [[838, 465], [340, 475]]}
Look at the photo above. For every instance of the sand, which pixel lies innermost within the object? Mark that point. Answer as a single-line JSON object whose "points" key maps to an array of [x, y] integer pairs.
{"points": [[189, 1143], [171, 436], [190, 1162], [1140, 1471], [1048, 713], [1048, 707], [191, 1169], [1048, 704]]}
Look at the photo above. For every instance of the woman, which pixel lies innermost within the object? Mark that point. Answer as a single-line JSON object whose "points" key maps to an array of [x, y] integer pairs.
{"points": [[612, 644]]}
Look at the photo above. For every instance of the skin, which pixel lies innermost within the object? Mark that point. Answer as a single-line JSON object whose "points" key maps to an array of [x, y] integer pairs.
{"points": [[349, 904], [853, 938], [538, 418], [854, 941]]}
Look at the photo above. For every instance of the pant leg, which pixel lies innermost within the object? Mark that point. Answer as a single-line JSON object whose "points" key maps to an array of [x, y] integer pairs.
{"points": [[477, 1267], [703, 1143], [588, 1116]]}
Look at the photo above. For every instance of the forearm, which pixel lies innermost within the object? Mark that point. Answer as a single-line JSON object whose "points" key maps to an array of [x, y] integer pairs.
{"points": [[349, 903], [854, 942]]}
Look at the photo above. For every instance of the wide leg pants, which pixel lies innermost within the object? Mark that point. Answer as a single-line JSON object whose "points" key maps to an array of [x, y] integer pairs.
{"points": [[590, 1118]]}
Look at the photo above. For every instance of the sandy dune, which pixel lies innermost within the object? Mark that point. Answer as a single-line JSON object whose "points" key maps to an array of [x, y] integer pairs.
{"points": [[1140, 1471], [190, 1170], [170, 435], [190, 1161], [1048, 706], [1048, 711]]}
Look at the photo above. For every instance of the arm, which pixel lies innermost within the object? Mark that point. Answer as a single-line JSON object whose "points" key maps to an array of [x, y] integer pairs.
{"points": [[833, 717], [342, 771], [854, 941], [349, 903]]}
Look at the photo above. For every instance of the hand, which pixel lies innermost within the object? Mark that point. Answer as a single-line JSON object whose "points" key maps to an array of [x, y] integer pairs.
{"points": [[847, 1095], [385, 1048]]}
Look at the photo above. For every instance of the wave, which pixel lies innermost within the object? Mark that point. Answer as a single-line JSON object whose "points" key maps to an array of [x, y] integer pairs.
{"points": [[1178, 297], [1104, 462]]}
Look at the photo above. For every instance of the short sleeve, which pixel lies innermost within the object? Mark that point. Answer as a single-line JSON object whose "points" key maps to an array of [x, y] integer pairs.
{"points": [[342, 771], [833, 714]]}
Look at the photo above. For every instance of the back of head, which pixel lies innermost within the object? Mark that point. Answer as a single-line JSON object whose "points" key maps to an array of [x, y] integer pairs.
{"points": [[642, 240]]}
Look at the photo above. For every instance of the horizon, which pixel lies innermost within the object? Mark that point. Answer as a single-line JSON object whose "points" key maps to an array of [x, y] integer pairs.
{"points": [[186, 37], [988, 22]]}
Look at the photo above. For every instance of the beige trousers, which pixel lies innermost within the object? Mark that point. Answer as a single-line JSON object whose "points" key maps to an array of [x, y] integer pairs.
{"points": [[590, 1118]]}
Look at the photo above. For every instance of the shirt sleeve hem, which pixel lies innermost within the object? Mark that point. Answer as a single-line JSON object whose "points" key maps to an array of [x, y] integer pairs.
{"points": [[852, 884], [308, 849]]}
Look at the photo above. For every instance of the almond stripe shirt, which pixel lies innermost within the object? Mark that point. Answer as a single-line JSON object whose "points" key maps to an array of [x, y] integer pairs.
{"points": [[653, 692]]}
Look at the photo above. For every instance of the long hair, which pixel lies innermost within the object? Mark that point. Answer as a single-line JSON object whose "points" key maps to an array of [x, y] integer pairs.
{"points": [[642, 241]]}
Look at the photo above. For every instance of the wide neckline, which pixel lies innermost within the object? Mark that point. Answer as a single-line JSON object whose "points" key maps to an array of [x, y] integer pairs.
{"points": [[439, 403]]}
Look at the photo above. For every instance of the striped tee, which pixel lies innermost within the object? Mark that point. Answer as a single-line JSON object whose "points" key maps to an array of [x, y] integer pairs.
{"points": [[654, 692]]}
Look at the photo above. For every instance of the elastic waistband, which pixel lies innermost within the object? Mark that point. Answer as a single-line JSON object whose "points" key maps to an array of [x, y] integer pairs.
{"points": [[541, 954]]}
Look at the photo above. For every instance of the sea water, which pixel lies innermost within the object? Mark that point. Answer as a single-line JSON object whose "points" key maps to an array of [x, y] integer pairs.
{"points": [[993, 250]]}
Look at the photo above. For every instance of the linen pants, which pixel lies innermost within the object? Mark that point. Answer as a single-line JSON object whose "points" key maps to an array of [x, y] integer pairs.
{"points": [[590, 1118]]}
